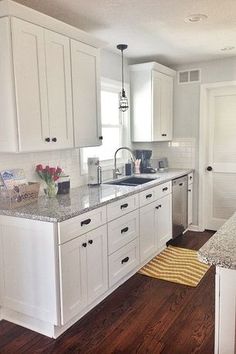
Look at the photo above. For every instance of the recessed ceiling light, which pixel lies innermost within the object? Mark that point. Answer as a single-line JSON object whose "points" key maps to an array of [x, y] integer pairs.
{"points": [[195, 18], [226, 49]]}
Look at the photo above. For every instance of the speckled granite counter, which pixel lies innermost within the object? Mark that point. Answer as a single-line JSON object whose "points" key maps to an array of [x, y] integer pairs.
{"points": [[83, 199], [220, 250]]}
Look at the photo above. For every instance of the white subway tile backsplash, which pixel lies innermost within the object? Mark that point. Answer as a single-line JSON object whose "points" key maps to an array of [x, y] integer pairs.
{"points": [[69, 160], [180, 152]]}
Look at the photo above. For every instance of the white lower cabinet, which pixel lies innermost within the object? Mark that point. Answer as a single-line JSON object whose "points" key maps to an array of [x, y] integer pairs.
{"points": [[190, 204], [148, 231], [155, 227], [164, 221], [123, 261], [83, 272], [225, 311]]}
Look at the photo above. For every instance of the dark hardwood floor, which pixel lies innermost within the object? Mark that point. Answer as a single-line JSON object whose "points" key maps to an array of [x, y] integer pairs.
{"points": [[144, 315]]}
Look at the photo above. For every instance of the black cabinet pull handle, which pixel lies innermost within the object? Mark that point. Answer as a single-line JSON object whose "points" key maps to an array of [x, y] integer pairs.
{"points": [[84, 244], [125, 260], [123, 206], [209, 168], [180, 184], [164, 189], [191, 177], [47, 140], [54, 140], [163, 134], [85, 222], [189, 190], [148, 196], [160, 206], [157, 207], [124, 230], [90, 242], [100, 138]]}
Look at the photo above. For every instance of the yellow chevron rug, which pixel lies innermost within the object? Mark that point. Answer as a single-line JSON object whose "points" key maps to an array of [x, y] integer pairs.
{"points": [[177, 265]]}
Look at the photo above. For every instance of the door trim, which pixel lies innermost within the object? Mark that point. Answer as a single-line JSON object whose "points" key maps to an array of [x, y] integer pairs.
{"points": [[204, 91]]}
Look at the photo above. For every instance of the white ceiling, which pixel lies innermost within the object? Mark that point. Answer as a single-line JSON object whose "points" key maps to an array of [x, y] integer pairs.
{"points": [[153, 29]]}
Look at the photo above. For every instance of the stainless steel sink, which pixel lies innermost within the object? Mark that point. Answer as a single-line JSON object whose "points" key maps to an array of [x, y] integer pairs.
{"points": [[131, 181]]}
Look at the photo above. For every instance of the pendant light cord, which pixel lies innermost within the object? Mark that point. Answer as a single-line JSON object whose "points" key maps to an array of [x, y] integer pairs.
{"points": [[122, 52]]}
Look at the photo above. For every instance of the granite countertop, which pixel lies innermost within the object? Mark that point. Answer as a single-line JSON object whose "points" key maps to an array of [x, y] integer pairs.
{"points": [[84, 198], [220, 250]]}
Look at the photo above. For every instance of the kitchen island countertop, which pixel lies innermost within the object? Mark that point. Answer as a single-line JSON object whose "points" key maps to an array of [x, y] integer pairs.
{"points": [[220, 250]]}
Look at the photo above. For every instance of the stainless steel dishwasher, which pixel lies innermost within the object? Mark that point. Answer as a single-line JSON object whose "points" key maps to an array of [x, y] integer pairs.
{"points": [[179, 205]]}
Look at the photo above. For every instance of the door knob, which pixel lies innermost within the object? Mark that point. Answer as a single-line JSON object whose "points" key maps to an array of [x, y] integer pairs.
{"points": [[209, 168]]}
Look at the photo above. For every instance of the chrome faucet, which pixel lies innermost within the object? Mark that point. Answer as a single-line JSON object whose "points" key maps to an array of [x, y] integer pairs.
{"points": [[116, 171]]}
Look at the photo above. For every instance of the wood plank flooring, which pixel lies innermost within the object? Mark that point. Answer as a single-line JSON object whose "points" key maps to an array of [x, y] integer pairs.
{"points": [[144, 315]]}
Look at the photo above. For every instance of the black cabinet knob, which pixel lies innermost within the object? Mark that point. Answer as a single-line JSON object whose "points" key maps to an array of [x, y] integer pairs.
{"points": [[163, 134], [157, 207], [90, 242], [54, 140], [100, 138], [209, 168], [84, 244], [47, 140]]}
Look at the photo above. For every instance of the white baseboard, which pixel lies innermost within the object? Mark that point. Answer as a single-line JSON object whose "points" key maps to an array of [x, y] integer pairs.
{"points": [[195, 228]]}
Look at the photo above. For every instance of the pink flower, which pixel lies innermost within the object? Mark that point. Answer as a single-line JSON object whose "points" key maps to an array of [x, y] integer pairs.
{"points": [[39, 168], [52, 171]]}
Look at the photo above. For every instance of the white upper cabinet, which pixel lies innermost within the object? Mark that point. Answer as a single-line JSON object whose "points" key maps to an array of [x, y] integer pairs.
{"points": [[86, 94], [36, 76], [151, 102], [43, 87]]}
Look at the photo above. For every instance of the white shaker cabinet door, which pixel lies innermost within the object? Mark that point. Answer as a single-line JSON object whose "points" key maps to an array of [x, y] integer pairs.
{"points": [[30, 85], [97, 268], [162, 106], [58, 72], [73, 277], [190, 204], [86, 94], [164, 221], [148, 232]]}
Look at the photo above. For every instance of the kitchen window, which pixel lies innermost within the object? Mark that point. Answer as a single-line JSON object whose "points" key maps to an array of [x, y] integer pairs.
{"points": [[115, 128]]}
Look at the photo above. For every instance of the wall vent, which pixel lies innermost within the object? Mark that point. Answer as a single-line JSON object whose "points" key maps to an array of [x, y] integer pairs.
{"points": [[189, 76]]}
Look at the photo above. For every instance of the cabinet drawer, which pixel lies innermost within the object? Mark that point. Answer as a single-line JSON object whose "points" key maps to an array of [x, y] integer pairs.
{"points": [[122, 207], [123, 261], [123, 230], [190, 178], [81, 224], [147, 197], [162, 190]]}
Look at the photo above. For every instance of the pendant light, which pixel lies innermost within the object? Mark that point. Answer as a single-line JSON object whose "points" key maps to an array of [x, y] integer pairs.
{"points": [[123, 102]]}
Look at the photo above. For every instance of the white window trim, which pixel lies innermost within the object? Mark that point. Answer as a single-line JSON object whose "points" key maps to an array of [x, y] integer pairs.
{"points": [[109, 164]]}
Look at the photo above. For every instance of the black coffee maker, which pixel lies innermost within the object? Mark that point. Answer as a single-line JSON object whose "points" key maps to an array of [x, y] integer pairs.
{"points": [[145, 165]]}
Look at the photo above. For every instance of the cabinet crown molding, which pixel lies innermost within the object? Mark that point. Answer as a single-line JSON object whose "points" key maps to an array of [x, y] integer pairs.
{"points": [[153, 66], [13, 9]]}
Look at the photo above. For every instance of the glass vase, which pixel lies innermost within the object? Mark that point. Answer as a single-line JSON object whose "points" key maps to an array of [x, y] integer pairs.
{"points": [[51, 190]]}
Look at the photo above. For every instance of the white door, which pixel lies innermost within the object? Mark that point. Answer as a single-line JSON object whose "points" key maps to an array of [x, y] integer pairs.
{"points": [[220, 164], [58, 71], [73, 277], [30, 84], [86, 94], [97, 268], [148, 231], [164, 221]]}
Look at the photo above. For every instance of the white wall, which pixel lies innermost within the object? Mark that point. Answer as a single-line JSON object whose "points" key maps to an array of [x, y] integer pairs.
{"points": [[187, 105], [69, 160]]}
